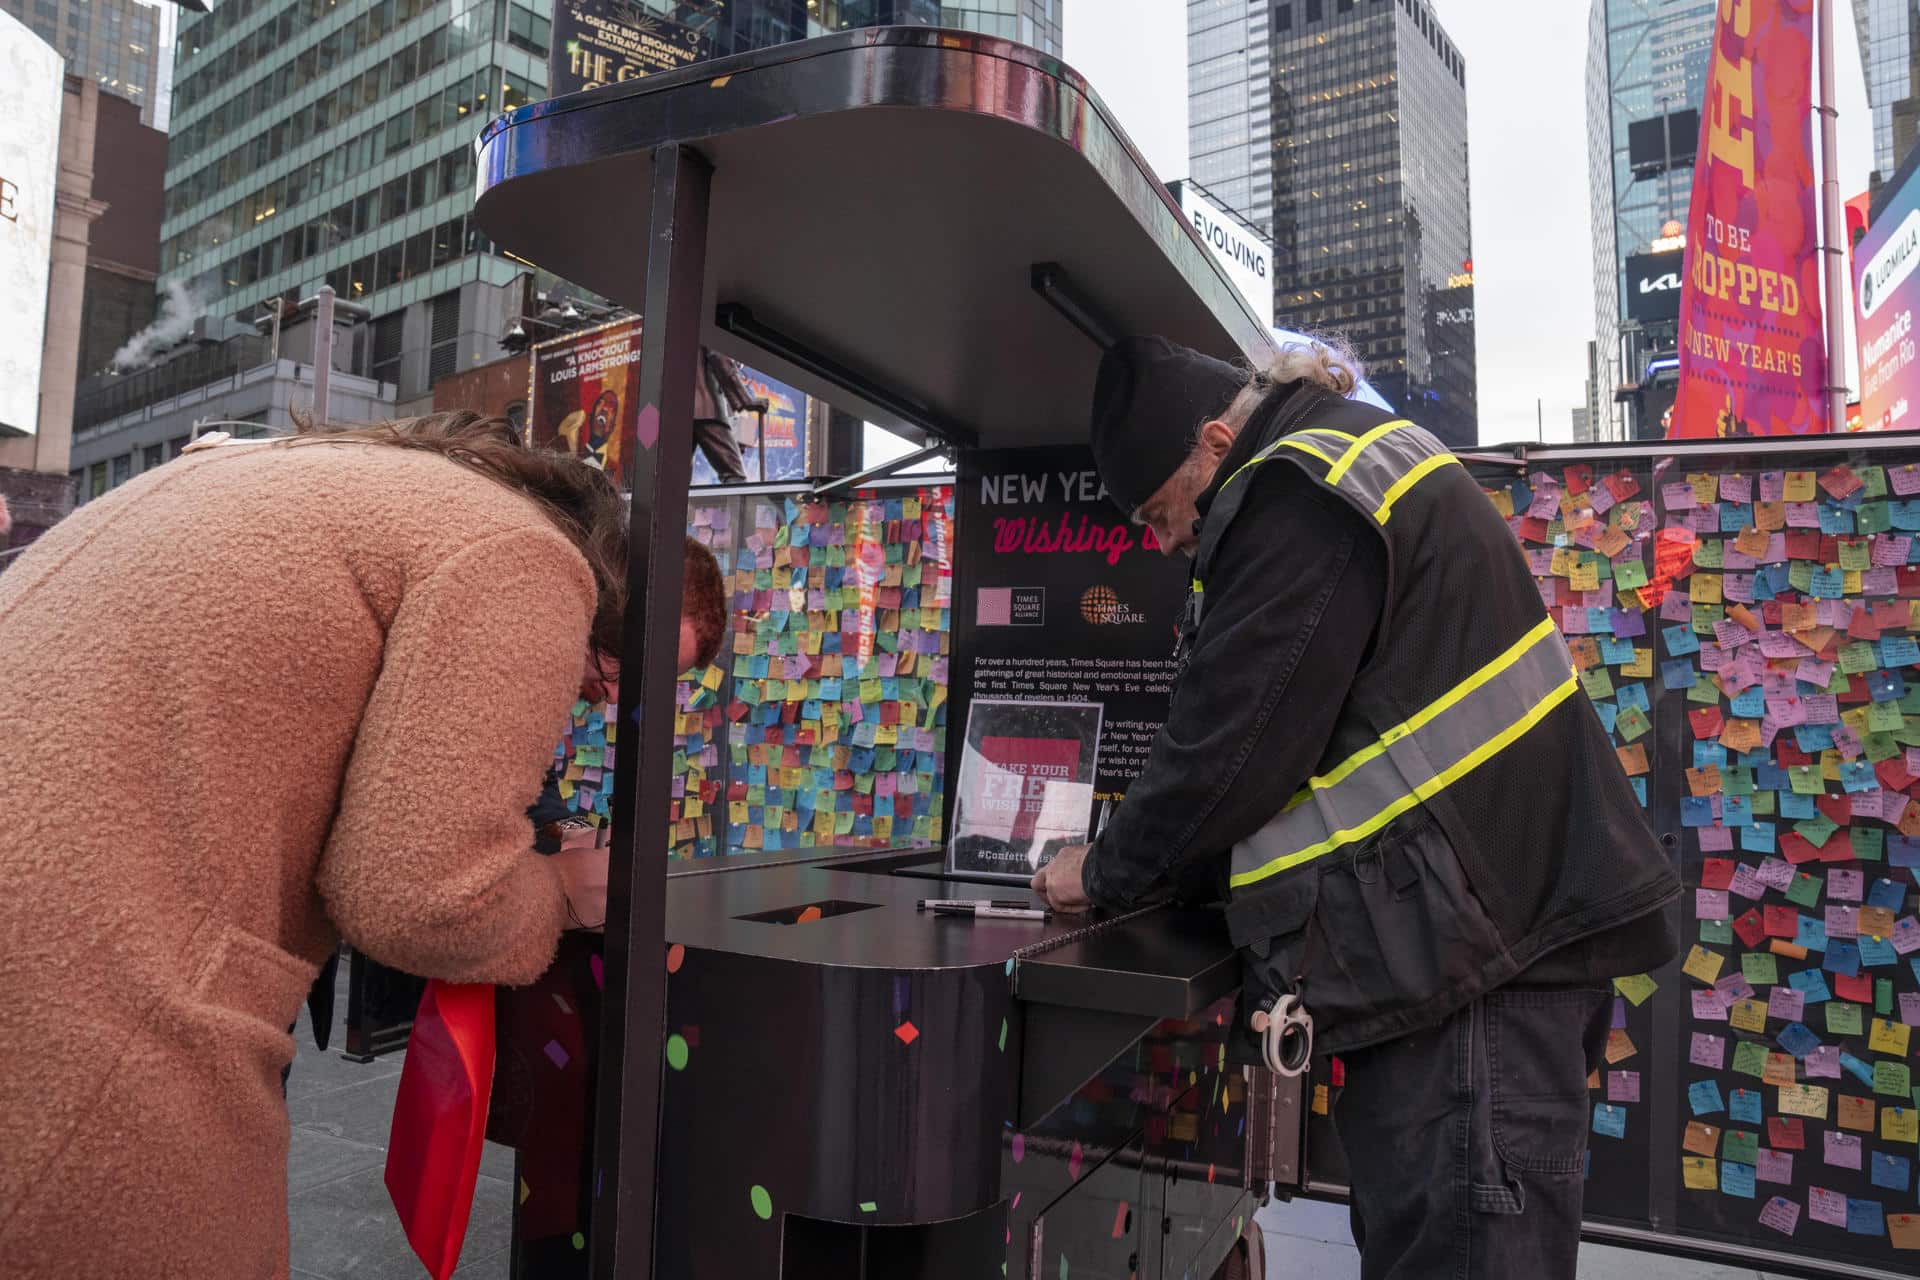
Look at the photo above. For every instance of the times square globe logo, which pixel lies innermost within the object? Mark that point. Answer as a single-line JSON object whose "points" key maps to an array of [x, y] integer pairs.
{"points": [[1101, 607]]}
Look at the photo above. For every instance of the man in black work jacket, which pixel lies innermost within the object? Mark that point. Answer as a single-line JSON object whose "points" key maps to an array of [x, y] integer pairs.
{"points": [[1378, 753]]}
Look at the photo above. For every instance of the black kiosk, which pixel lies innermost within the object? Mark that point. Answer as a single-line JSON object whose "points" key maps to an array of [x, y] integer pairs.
{"points": [[937, 231]]}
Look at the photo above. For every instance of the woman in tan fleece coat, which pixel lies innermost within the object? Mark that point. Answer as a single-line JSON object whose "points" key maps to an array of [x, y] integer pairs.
{"points": [[260, 698]]}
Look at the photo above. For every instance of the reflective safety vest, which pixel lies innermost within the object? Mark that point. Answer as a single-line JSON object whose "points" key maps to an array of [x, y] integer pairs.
{"points": [[1469, 813]]}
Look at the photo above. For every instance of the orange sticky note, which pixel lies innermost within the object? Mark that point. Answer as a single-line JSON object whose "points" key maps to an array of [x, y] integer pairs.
{"points": [[1702, 1138]]}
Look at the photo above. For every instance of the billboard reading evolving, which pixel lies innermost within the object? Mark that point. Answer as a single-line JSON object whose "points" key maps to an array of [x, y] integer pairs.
{"points": [[598, 42], [1246, 258], [1885, 292], [30, 93]]}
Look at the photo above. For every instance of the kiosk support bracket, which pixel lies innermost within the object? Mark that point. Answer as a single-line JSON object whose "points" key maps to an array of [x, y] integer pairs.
{"points": [[658, 469]]}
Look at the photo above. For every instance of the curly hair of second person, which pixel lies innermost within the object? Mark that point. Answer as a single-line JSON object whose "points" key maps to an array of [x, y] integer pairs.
{"points": [[581, 500]]}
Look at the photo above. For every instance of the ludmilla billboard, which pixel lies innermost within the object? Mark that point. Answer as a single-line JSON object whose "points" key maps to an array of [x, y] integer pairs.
{"points": [[30, 95], [584, 393], [1752, 355], [1885, 289], [598, 42]]}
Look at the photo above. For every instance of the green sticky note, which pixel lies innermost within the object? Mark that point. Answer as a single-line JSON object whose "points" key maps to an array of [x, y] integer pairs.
{"points": [[1806, 780], [1873, 517], [1763, 804], [1740, 1146], [1856, 554], [1719, 931], [1800, 576], [1630, 574], [1883, 997], [1632, 724], [1750, 1058], [1873, 481], [1817, 829], [1706, 617], [1843, 1019], [1735, 781], [1858, 657], [1704, 692], [1760, 968], [1636, 987], [1804, 889], [1868, 843], [1597, 682], [1709, 553]]}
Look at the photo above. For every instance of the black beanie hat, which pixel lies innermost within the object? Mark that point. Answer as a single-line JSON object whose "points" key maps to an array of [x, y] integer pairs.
{"points": [[1149, 399]]}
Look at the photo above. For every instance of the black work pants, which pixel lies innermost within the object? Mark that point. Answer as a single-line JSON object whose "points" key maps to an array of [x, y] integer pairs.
{"points": [[1467, 1141]]}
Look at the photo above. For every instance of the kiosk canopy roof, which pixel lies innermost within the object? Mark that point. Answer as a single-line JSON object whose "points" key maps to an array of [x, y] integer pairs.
{"points": [[880, 198]]}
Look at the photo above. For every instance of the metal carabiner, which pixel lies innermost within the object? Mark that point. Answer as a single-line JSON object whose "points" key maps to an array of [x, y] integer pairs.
{"points": [[1286, 1036]]}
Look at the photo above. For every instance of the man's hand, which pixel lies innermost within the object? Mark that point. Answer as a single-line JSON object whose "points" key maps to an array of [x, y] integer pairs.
{"points": [[1059, 880]]}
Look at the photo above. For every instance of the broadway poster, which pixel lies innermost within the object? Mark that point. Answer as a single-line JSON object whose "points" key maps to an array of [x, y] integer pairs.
{"points": [[1752, 356], [585, 393]]}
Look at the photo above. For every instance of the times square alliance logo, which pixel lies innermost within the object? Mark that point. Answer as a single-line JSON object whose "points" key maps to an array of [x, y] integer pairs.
{"points": [[1101, 607]]}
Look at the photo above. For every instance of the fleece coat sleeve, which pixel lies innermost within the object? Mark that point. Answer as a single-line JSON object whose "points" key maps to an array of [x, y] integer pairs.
{"points": [[429, 866]]}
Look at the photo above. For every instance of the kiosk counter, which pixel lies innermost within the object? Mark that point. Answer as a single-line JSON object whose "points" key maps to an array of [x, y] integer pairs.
{"points": [[795, 1071]]}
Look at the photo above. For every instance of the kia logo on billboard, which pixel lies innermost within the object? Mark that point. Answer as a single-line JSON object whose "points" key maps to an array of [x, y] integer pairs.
{"points": [[1653, 286]]}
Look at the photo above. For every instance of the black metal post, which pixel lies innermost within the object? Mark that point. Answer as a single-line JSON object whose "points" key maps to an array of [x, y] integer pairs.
{"points": [[658, 471]]}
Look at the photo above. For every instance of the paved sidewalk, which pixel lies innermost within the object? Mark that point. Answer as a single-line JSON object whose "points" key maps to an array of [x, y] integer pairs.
{"points": [[1308, 1240]]}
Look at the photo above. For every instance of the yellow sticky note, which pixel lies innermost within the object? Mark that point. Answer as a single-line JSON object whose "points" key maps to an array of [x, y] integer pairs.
{"points": [[1703, 964], [1636, 987], [1320, 1090], [710, 679], [1748, 1015], [1700, 1173], [1900, 1124], [1642, 664], [1803, 1100], [1799, 486], [1888, 1037], [1704, 588]]}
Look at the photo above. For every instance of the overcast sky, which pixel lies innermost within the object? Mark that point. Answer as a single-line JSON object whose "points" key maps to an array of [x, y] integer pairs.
{"points": [[1526, 115]]}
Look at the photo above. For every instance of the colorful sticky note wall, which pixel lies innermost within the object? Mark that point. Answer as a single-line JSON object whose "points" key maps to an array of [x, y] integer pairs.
{"points": [[823, 721], [1766, 623]]}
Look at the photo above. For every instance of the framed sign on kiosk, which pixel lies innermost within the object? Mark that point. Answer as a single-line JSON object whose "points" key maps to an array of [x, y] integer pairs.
{"points": [[1026, 786]]}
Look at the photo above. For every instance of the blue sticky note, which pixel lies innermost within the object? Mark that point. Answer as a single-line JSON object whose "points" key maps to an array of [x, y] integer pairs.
{"points": [[1743, 1106], [1811, 984], [1876, 952], [1887, 893], [1769, 776], [1677, 673], [1857, 776], [1614, 652], [1609, 1120], [1813, 738], [1812, 935], [1828, 584], [1757, 838], [1795, 805], [1797, 1040], [1751, 704], [1704, 1097], [1843, 956], [1633, 695], [1903, 851], [1707, 752], [1608, 713], [1736, 811], [1696, 811], [1863, 1217], [1639, 784], [1736, 1179], [1680, 640], [1861, 1071], [1834, 519], [1899, 651], [1895, 1173]]}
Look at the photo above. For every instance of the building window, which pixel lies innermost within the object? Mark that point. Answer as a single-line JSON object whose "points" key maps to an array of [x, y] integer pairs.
{"points": [[153, 456], [1283, 17], [122, 469], [97, 480], [1313, 10]]}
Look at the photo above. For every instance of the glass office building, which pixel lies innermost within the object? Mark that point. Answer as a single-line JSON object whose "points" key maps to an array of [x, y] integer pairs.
{"points": [[1646, 59], [124, 45], [1370, 212], [330, 141], [1229, 98]]}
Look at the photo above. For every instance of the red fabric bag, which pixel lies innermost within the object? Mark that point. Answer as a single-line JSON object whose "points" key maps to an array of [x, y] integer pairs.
{"points": [[440, 1120]]}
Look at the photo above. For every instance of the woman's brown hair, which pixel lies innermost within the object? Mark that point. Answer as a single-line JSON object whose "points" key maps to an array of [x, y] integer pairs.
{"points": [[580, 500]]}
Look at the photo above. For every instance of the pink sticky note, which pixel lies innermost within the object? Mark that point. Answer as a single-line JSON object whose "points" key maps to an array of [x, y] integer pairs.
{"points": [[1786, 1003], [1623, 1086], [1709, 1007], [1844, 883], [1843, 1149], [1823, 1063], [1826, 1206], [1783, 1215], [1746, 883], [1773, 1166], [1710, 904], [1710, 1051]]}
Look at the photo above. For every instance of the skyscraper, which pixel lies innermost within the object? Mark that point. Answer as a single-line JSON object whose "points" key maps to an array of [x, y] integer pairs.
{"points": [[126, 46], [1229, 99], [1646, 78], [1370, 212]]}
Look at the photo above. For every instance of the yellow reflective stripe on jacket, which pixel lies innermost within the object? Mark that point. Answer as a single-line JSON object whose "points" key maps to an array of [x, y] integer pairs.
{"points": [[1406, 482], [1359, 447], [1450, 738], [1339, 772]]}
